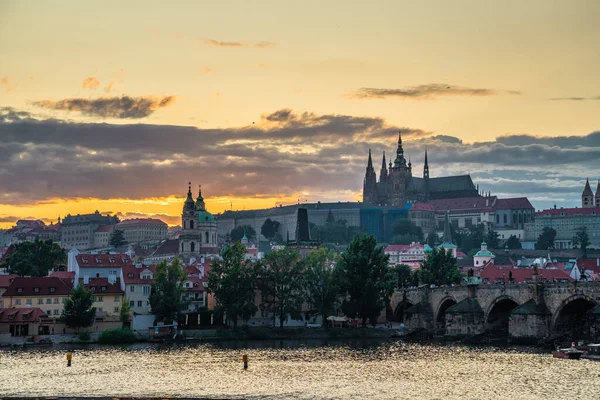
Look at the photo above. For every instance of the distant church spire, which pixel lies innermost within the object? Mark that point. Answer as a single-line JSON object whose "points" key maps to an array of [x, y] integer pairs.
{"points": [[399, 161], [383, 166], [370, 162], [426, 167], [383, 174]]}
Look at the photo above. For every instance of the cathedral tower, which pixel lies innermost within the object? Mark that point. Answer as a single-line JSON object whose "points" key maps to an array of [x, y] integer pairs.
{"points": [[370, 183], [398, 177], [597, 197], [587, 197]]}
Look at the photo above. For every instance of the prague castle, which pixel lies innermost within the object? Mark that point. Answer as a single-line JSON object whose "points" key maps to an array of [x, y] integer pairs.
{"points": [[397, 186]]}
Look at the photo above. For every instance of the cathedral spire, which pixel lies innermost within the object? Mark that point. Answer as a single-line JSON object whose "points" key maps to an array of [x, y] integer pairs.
{"points": [[370, 162], [189, 201], [426, 167], [399, 161], [383, 166], [383, 174]]}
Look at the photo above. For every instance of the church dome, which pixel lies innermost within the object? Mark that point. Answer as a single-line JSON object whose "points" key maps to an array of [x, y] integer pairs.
{"points": [[205, 216], [484, 253], [427, 249]]}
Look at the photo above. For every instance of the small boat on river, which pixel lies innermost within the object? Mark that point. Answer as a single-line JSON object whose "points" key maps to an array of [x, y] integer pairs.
{"points": [[569, 353], [593, 352]]}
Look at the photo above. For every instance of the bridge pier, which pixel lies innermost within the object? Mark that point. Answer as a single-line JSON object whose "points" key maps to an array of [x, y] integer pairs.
{"points": [[466, 318], [530, 321]]}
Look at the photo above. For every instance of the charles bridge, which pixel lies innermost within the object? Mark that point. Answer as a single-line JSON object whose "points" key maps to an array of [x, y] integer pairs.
{"points": [[531, 311]]}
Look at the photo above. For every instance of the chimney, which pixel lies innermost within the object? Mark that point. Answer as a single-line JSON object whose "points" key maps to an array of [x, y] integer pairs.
{"points": [[86, 280], [202, 260], [487, 202], [597, 262]]}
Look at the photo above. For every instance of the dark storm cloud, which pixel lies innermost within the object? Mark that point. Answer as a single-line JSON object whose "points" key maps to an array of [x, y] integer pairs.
{"points": [[284, 153], [124, 107], [429, 91]]}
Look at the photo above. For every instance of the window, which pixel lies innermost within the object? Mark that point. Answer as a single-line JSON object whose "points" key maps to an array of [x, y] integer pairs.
{"points": [[192, 247], [117, 298], [17, 301], [116, 309], [52, 289], [57, 300], [131, 303], [28, 301], [505, 219], [37, 289], [146, 276], [104, 288], [132, 289], [100, 309], [99, 298], [64, 300], [20, 290], [40, 301], [55, 311], [140, 303], [130, 275], [48, 301], [146, 290], [191, 224]]}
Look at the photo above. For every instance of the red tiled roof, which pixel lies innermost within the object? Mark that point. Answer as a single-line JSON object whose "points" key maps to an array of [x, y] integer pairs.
{"points": [[43, 284], [5, 280], [103, 260], [66, 275], [402, 247], [169, 246], [421, 207], [197, 284], [104, 228], [133, 221], [514, 203], [463, 204], [31, 222], [131, 270], [493, 273], [589, 264], [96, 285], [12, 315], [569, 211]]}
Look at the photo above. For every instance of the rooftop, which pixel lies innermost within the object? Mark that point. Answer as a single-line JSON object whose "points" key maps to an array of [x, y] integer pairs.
{"points": [[39, 286], [12, 315], [101, 285], [568, 211], [103, 260], [142, 221]]}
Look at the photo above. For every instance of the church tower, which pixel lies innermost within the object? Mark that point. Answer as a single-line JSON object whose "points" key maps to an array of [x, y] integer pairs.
{"points": [[383, 174], [188, 243], [597, 198], [399, 176], [199, 228], [587, 197], [370, 183]]}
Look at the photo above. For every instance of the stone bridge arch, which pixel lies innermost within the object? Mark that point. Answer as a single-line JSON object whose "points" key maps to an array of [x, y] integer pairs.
{"points": [[497, 314], [440, 313], [570, 317]]}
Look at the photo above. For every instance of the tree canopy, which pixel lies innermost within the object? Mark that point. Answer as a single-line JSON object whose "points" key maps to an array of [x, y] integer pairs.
{"points": [[78, 311], [165, 293], [117, 239], [125, 312], [238, 233], [232, 280], [581, 240], [269, 228], [281, 283], [492, 238], [34, 258], [368, 281], [546, 239], [407, 229], [334, 231], [432, 239], [439, 268], [513, 243], [321, 282], [405, 276]]}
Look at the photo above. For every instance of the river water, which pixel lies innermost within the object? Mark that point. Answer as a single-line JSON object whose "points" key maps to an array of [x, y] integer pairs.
{"points": [[292, 370]]}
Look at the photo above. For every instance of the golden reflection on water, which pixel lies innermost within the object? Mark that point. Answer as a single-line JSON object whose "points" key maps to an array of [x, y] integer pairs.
{"points": [[389, 371]]}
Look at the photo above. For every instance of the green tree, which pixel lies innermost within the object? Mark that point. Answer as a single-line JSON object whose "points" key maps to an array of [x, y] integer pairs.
{"points": [[125, 312], [281, 283], [492, 238], [166, 291], [439, 268], [117, 239], [269, 228], [405, 276], [513, 243], [405, 227], [405, 239], [35, 258], [546, 239], [368, 281], [321, 282], [238, 233], [78, 311], [232, 280], [581, 240], [432, 239], [334, 231]]}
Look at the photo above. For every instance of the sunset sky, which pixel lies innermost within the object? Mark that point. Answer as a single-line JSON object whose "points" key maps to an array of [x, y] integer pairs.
{"points": [[116, 105]]}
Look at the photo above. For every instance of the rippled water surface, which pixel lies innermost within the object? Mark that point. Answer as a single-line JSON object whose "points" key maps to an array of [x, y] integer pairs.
{"points": [[391, 370]]}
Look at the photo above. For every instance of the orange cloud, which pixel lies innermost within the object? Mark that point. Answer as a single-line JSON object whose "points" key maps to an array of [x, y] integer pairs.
{"points": [[207, 70], [124, 107], [90, 83], [110, 86], [428, 91]]}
